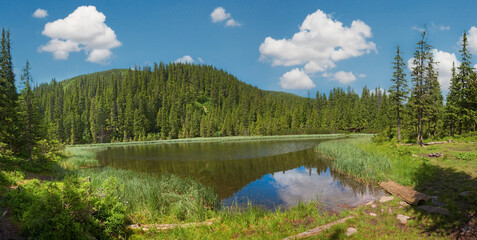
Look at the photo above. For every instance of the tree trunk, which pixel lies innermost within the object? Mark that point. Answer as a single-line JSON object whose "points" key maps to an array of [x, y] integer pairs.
{"points": [[398, 126]]}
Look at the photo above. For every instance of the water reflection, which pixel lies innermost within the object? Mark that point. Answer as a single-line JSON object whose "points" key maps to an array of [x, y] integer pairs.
{"points": [[268, 173]]}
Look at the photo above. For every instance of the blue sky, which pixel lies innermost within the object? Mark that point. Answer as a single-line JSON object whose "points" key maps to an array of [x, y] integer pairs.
{"points": [[337, 43]]}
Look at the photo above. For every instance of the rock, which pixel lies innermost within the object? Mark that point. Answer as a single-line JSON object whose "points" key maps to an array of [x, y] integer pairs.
{"points": [[369, 203], [385, 199], [437, 203], [350, 231], [414, 155], [390, 211], [403, 218], [404, 204], [434, 210], [373, 214], [374, 206], [464, 194], [434, 155]]}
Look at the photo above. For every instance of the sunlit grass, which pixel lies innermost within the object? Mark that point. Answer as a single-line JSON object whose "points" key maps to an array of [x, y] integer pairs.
{"points": [[164, 198]]}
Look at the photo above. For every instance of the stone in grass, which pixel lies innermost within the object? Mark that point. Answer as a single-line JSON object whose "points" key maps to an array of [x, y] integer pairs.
{"points": [[374, 206], [372, 214], [403, 218], [404, 204], [434, 210], [384, 199], [350, 231]]}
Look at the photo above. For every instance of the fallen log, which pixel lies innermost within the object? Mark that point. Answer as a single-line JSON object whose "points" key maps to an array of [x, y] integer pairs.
{"points": [[146, 227], [318, 230], [433, 143], [407, 194]]}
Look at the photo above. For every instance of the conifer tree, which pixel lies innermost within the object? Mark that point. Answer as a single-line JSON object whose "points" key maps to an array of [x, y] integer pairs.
{"points": [[8, 94], [399, 89], [30, 117], [418, 102]]}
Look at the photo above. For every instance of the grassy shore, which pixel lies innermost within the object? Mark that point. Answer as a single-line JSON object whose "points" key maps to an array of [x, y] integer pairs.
{"points": [[451, 179]]}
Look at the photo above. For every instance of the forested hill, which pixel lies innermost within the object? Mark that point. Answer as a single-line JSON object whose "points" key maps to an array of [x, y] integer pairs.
{"points": [[184, 100]]}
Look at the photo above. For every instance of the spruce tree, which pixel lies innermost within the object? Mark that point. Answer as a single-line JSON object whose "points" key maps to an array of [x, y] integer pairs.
{"points": [[399, 89], [8, 94], [30, 117], [418, 102]]}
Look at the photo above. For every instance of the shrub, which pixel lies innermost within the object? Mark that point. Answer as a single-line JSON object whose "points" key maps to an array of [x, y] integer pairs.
{"points": [[69, 210]]}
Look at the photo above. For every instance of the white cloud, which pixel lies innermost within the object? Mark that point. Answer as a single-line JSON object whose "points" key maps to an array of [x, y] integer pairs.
{"points": [[362, 75], [472, 39], [444, 28], [200, 60], [61, 49], [40, 13], [232, 23], [219, 15], [296, 79], [344, 77], [319, 44], [419, 29], [444, 62], [185, 59], [84, 29], [444, 65]]}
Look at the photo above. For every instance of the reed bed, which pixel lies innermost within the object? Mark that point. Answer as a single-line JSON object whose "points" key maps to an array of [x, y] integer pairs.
{"points": [[164, 198], [350, 158]]}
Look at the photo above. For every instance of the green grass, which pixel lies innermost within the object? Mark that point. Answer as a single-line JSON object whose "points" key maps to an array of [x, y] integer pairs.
{"points": [[166, 198], [351, 159]]}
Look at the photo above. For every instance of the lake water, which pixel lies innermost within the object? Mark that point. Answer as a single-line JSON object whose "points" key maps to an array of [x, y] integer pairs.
{"points": [[266, 173]]}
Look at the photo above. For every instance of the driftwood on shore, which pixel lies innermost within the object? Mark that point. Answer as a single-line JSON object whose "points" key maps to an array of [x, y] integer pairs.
{"points": [[318, 230], [146, 227], [426, 144], [407, 194]]}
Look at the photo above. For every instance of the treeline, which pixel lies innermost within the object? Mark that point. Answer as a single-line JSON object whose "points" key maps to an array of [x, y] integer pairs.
{"points": [[183, 100]]}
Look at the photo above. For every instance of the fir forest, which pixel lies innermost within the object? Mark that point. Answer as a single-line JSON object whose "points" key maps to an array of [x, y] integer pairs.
{"points": [[187, 149]]}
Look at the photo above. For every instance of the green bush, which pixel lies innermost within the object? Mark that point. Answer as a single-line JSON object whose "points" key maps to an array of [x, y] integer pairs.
{"points": [[69, 210]]}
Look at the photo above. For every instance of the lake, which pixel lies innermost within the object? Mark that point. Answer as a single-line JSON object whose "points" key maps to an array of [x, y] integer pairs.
{"points": [[271, 173]]}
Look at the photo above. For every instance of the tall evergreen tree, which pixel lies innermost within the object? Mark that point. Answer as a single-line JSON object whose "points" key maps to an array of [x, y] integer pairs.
{"points": [[399, 90], [30, 117], [419, 92], [8, 94]]}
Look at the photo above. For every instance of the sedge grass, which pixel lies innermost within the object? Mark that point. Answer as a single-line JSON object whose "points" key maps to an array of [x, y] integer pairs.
{"points": [[164, 198], [351, 159]]}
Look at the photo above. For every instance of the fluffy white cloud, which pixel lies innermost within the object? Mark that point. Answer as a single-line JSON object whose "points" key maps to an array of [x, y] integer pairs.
{"points": [[219, 15], [362, 75], [472, 39], [84, 29], [444, 62], [200, 60], [319, 44], [40, 13], [296, 79], [344, 77], [232, 23], [185, 59]]}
